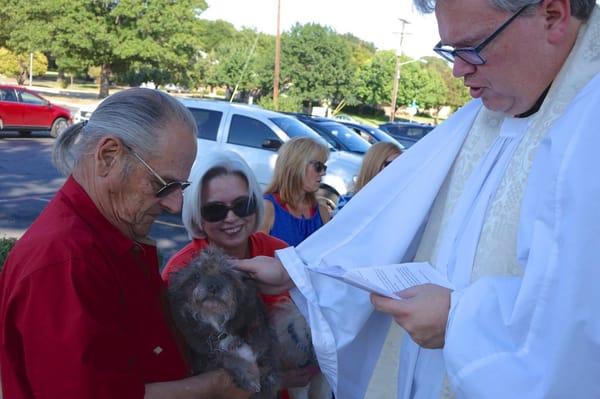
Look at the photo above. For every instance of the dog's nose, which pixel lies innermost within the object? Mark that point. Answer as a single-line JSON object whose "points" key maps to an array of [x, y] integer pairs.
{"points": [[213, 287]]}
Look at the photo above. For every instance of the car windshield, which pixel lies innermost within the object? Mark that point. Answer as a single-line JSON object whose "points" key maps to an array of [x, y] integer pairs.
{"points": [[381, 135], [295, 128], [349, 140]]}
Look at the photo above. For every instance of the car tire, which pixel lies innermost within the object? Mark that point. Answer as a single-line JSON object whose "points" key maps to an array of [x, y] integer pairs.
{"points": [[59, 126]]}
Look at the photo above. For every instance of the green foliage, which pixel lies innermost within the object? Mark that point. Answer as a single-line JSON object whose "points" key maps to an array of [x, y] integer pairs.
{"points": [[119, 36], [17, 65], [375, 79], [457, 93], [6, 245], [423, 86], [286, 104], [316, 64]]}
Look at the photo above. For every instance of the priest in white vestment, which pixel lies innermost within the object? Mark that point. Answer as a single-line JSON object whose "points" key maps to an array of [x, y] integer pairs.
{"points": [[503, 198]]}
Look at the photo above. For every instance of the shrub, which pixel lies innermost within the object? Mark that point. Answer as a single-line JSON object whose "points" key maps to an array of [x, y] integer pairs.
{"points": [[6, 245]]}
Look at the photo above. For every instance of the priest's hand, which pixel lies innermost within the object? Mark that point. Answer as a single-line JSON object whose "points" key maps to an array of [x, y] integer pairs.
{"points": [[423, 313], [270, 274]]}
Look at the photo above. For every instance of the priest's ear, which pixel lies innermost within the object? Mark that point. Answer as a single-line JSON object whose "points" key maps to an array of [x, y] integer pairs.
{"points": [[557, 15]]}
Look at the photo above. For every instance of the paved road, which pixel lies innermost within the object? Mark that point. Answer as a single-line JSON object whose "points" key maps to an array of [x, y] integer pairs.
{"points": [[28, 181]]}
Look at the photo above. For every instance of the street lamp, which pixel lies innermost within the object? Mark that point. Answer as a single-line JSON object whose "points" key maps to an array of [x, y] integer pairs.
{"points": [[397, 81]]}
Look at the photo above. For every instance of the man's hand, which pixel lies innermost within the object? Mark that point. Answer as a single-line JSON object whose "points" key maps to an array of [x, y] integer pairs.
{"points": [[423, 313], [216, 384], [268, 272]]}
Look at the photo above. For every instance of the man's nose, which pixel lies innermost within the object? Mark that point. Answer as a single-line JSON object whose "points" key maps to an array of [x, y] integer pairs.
{"points": [[461, 68], [172, 202]]}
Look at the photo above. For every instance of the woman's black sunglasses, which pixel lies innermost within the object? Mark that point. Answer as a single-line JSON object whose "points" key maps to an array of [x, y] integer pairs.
{"points": [[217, 211], [319, 166]]}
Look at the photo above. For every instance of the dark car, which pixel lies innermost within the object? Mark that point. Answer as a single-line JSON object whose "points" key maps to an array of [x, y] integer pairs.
{"points": [[372, 134], [339, 136], [406, 133], [24, 111]]}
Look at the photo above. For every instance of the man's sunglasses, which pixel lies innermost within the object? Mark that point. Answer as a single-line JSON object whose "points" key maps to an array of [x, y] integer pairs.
{"points": [[217, 211], [166, 188], [472, 55], [319, 166]]}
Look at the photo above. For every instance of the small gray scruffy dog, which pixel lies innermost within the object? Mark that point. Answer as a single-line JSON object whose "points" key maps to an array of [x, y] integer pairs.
{"points": [[223, 320]]}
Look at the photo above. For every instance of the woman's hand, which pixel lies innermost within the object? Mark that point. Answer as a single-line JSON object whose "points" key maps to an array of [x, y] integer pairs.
{"points": [[268, 272], [422, 312]]}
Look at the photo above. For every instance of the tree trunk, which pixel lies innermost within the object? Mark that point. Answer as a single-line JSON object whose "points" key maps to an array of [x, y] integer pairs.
{"points": [[104, 81], [60, 77]]}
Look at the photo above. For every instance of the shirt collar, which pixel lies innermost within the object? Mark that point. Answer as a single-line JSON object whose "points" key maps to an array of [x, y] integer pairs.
{"points": [[80, 202]]}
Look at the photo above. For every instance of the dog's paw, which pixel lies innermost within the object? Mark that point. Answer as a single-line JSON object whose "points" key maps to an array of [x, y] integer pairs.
{"points": [[245, 373]]}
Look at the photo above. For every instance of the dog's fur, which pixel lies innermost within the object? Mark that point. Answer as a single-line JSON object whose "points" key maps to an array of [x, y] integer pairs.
{"points": [[223, 320], [293, 348]]}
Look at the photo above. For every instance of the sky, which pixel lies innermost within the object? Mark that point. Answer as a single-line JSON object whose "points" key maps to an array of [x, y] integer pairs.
{"points": [[375, 21]]}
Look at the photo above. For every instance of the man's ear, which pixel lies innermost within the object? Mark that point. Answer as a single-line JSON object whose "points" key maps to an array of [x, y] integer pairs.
{"points": [[558, 19], [109, 152]]}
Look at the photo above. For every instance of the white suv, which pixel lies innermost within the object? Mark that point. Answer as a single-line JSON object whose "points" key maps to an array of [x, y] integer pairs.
{"points": [[256, 134]]}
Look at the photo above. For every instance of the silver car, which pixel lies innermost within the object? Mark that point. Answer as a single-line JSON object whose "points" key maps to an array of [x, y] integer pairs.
{"points": [[256, 134]]}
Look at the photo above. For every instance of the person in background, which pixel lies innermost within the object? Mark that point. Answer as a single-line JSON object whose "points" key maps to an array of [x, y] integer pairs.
{"points": [[223, 207], [292, 211], [501, 199], [82, 304], [379, 155]]}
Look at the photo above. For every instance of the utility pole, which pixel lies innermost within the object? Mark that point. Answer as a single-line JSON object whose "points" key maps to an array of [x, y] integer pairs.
{"points": [[397, 70], [277, 59]]}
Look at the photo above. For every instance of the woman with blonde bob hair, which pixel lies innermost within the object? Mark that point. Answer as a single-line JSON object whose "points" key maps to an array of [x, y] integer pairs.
{"points": [[292, 211], [377, 157]]}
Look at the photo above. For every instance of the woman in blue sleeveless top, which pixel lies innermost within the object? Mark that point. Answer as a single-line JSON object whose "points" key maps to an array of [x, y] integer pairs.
{"points": [[292, 212]]}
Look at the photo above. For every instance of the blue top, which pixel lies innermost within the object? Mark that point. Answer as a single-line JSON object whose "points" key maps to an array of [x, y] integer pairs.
{"points": [[290, 228]]}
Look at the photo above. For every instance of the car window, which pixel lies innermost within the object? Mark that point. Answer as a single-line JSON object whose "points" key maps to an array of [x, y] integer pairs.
{"points": [[417, 132], [8, 95], [208, 122], [29, 98], [293, 127], [249, 132], [352, 141]]}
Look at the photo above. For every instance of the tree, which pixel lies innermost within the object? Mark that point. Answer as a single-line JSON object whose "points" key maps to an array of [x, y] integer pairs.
{"points": [[375, 78], [421, 85], [156, 38], [316, 64], [17, 65], [457, 94]]}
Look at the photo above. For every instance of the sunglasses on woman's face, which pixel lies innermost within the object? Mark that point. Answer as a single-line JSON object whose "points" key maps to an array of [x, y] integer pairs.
{"points": [[319, 166], [217, 211]]}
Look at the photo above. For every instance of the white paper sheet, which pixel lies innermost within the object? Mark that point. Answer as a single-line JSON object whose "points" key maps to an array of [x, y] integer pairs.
{"points": [[387, 280]]}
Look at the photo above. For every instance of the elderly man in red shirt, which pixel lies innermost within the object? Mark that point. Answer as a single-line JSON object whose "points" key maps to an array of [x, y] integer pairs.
{"points": [[82, 304]]}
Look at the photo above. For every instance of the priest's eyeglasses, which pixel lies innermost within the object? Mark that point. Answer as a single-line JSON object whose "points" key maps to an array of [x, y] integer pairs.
{"points": [[166, 188], [472, 55]]}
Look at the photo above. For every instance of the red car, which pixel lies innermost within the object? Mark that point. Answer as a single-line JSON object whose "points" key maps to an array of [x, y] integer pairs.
{"points": [[24, 110]]}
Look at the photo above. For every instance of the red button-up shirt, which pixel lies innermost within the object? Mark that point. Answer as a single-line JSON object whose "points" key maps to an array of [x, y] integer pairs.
{"points": [[82, 309]]}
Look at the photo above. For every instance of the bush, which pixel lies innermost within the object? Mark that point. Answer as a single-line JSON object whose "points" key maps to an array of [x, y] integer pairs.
{"points": [[6, 245], [286, 104]]}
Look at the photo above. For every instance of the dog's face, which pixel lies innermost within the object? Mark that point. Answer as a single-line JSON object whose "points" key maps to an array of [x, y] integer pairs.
{"points": [[210, 289]]}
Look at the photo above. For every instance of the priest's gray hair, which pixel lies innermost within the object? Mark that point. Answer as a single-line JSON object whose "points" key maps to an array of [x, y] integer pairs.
{"points": [[217, 163], [580, 9], [136, 116]]}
